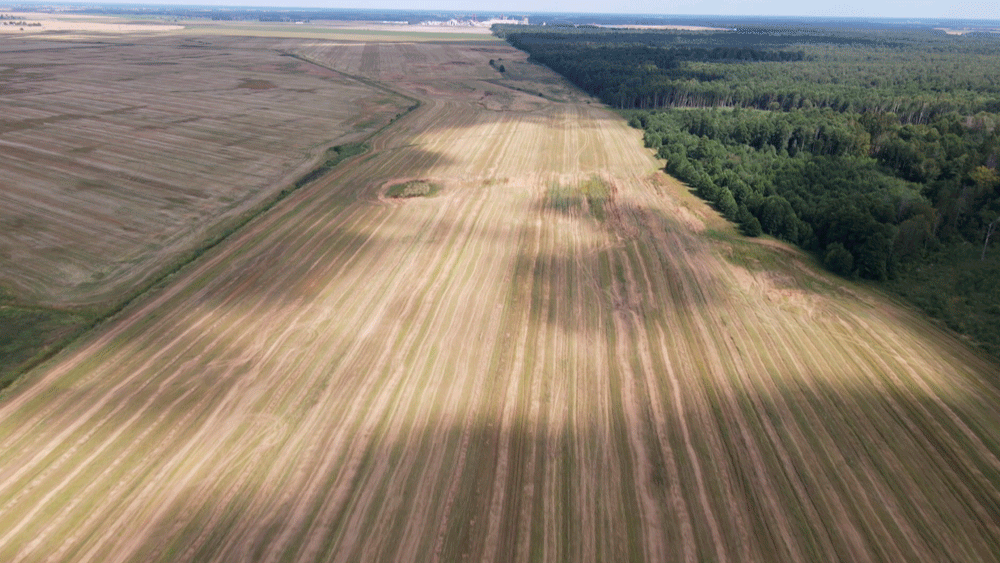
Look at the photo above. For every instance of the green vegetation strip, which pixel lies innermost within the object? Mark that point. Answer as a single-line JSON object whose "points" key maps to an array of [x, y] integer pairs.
{"points": [[31, 335], [368, 82]]}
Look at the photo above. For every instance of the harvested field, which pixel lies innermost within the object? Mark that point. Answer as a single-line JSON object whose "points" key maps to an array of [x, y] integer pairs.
{"points": [[34, 24], [562, 356], [357, 32], [118, 158]]}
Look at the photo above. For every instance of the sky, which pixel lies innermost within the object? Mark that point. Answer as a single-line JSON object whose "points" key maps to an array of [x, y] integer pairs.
{"points": [[952, 9]]}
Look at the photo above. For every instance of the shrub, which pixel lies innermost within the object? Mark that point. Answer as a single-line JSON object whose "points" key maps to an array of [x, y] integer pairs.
{"points": [[413, 188], [838, 259]]}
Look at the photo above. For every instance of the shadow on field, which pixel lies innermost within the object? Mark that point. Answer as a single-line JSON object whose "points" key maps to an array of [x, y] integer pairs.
{"points": [[801, 473], [647, 265], [604, 426], [617, 406]]}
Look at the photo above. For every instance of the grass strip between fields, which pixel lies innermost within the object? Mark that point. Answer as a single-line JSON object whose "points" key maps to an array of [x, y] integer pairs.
{"points": [[31, 335]]}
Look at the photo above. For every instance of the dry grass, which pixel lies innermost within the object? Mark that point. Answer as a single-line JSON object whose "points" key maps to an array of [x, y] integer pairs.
{"points": [[495, 374]]}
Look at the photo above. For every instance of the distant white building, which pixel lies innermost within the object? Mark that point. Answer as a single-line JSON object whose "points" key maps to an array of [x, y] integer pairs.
{"points": [[474, 23]]}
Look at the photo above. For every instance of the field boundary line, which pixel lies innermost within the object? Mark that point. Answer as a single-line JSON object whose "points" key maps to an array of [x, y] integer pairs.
{"points": [[237, 224]]}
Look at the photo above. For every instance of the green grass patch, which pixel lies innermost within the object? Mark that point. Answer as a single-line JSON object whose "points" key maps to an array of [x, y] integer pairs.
{"points": [[414, 188], [563, 198], [6, 297], [28, 336], [597, 192]]}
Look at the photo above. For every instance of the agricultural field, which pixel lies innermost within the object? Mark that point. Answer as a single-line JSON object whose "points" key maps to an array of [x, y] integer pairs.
{"points": [[112, 152], [557, 353]]}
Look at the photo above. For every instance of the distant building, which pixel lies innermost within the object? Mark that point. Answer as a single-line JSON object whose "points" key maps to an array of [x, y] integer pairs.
{"points": [[475, 23]]}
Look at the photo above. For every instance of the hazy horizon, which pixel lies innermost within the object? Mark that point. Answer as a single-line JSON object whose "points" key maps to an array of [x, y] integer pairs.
{"points": [[976, 9]]}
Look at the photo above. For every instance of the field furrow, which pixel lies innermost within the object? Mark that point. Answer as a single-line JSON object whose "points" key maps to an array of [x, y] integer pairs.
{"points": [[559, 355]]}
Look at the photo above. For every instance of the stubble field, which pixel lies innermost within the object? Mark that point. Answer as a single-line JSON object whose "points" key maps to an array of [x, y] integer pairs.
{"points": [[118, 156], [559, 356]]}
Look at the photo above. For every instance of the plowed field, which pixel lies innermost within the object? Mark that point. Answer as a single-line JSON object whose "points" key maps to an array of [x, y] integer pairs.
{"points": [[559, 356]]}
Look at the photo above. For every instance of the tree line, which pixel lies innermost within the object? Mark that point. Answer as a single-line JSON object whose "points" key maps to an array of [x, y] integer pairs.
{"points": [[916, 75], [876, 150]]}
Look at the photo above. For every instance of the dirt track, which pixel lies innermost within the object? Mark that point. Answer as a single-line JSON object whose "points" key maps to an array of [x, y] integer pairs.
{"points": [[507, 371]]}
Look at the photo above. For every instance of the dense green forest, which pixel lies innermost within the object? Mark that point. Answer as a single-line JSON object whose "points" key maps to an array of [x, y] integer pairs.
{"points": [[874, 149]]}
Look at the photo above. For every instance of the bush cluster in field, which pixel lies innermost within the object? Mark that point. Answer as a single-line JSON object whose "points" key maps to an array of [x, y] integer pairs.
{"points": [[414, 188]]}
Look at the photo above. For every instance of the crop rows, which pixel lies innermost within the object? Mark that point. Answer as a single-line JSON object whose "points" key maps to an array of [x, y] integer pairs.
{"points": [[112, 153], [561, 356]]}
